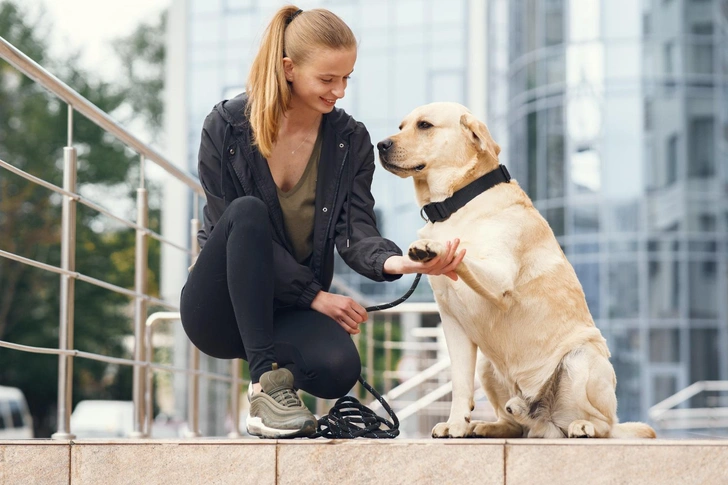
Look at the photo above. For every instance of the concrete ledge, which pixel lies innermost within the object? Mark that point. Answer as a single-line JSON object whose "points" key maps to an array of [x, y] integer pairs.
{"points": [[223, 461], [31, 462]]}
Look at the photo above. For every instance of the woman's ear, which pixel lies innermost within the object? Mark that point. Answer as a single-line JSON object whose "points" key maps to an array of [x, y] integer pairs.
{"points": [[288, 69]]}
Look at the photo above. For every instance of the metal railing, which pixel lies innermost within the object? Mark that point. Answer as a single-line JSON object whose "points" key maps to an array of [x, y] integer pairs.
{"points": [[668, 416], [70, 198]]}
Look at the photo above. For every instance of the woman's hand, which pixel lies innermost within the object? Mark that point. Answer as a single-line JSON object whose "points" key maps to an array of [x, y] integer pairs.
{"points": [[442, 264], [348, 313]]}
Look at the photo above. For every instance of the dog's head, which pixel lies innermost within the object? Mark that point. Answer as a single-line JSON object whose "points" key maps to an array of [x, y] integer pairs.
{"points": [[442, 146]]}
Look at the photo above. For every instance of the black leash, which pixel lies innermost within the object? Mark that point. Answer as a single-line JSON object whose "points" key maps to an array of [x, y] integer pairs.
{"points": [[349, 418]]}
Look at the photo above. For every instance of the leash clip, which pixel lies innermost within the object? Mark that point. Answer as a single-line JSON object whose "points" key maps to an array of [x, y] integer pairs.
{"points": [[422, 214]]}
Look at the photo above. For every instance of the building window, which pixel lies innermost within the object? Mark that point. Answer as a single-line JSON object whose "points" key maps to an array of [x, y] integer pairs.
{"points": [[646, 24], [555, 218], [623, 290], [701, 148], [648, 114], [671, 158], [704, 360], [702, 288], [702, 46], [665, 345], [668, 56], [664, 289], [664, 386], [588, 275]]}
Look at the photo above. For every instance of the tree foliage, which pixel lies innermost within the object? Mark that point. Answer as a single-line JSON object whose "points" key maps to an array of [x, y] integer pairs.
{"points": [[32, 136]]}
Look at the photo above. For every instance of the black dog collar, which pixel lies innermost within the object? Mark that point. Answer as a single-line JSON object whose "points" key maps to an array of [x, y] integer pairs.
{"points": [[440, 211]]}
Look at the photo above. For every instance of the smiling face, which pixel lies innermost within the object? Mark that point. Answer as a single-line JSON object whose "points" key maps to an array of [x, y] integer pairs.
{"points": [[442, 146], [321, 80]]}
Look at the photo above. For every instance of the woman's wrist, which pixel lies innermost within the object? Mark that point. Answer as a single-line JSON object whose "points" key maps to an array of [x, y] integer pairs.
{"points": [[393, 265]]}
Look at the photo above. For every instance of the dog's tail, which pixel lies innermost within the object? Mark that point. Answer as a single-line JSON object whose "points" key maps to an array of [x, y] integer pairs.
{"points": [[632, 430]]}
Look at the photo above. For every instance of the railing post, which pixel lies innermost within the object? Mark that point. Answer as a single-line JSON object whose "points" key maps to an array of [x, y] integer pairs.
{"points": [[193, 396], [68, 263], [149, 388], [140, 307], [370, 352], [386, 375], [193, 408], [235, 399]]}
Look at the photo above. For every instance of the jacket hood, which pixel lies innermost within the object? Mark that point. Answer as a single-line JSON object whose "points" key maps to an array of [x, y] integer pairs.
{"points": [[233, 112]]}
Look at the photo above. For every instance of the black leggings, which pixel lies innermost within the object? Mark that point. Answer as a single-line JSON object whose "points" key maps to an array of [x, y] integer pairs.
{"points": [[228, 311]]}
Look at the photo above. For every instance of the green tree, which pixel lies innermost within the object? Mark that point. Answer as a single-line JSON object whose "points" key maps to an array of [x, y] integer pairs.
{"points": [[32, 134]]}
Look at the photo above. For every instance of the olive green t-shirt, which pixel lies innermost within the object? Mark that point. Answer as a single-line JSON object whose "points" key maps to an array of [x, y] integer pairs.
{"points": [[298, 207]]}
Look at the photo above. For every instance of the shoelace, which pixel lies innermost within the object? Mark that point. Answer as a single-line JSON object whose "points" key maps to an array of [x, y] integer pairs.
{"points": [[286, 397]]}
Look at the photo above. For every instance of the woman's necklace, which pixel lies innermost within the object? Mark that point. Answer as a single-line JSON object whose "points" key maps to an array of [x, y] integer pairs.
{"points": [[304, 141]]}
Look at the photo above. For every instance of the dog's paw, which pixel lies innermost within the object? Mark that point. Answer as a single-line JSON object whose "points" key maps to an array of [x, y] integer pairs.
{"points": [[518, 407], [581, 429], [425, 250], [450, 430]]}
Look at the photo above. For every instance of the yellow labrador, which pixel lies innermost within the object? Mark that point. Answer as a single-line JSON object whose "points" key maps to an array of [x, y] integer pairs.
{"points": [[544, 366]]}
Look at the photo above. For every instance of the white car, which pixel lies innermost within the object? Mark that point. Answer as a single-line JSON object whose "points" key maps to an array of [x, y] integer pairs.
{"points": [[103, 419], [15, 419]]}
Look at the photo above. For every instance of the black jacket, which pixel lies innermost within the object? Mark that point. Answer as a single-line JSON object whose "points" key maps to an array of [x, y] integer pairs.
{"points": [[344, 203]]}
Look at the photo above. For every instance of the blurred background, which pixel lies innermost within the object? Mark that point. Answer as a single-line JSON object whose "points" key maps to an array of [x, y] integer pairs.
{"points": [[612, 115]]}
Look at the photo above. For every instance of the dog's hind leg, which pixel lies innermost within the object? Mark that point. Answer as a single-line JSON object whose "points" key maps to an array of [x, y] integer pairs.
{"points": [[506, 426], [587, 405]]}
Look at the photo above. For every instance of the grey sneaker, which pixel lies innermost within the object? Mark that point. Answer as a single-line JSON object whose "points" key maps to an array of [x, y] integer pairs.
{"points": [[277, 412]]}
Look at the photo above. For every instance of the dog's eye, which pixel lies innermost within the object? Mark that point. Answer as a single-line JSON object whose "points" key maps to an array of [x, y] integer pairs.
{"points": [[423, 125]]}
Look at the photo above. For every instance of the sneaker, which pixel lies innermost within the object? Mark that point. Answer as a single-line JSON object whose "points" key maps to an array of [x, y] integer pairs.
{"points": [[277, 412]]}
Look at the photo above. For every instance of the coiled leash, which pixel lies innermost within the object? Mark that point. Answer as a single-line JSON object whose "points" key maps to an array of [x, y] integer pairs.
{"points": [[351, 419]]}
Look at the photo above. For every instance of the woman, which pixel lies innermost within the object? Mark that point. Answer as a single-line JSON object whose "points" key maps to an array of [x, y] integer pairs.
{"points": [[286, 178]]}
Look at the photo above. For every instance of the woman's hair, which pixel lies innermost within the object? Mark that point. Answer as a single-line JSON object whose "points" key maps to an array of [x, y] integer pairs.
{"points": [[295, 35]]}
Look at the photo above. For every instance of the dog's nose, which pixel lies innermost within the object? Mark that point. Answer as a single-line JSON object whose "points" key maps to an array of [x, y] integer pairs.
{"points": [[385, 145]]}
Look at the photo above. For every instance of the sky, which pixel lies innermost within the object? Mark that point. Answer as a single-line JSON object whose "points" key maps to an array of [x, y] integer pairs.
{"points": [[91, 25]]}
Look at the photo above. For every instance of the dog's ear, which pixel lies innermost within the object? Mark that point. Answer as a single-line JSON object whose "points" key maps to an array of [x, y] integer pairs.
{"points": [[479, 135]]}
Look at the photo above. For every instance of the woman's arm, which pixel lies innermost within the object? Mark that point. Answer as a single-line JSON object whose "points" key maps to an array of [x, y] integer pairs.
{"points": [[366, 250]]}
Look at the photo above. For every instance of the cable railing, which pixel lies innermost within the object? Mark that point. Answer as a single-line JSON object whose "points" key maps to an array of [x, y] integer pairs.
{"points": [[70, 198]]}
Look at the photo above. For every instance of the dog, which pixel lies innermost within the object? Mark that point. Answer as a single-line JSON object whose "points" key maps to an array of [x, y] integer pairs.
{"points": [[517, 307]]}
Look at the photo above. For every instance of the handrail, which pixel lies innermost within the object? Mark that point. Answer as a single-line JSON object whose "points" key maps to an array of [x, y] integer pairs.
{"points": [[67, 267], [665, 408], [92, 205], [30, 68]]}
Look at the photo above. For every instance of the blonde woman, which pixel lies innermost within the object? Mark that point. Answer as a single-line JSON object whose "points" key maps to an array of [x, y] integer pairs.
{"points": [[287, 177]]}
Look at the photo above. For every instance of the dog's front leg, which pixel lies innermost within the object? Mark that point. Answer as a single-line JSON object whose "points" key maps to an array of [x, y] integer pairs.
{"points": [[493, 279], [462, 357]]}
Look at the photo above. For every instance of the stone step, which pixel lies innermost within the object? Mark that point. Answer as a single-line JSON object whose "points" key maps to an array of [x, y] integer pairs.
{"points": [[457, 461]]}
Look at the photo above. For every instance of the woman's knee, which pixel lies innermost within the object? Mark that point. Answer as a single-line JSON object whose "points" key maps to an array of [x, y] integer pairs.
{"points": [[340, 372], [247, 209]]}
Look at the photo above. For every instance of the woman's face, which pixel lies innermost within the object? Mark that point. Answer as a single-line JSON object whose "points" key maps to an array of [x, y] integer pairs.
{"points": [[320, 81]]}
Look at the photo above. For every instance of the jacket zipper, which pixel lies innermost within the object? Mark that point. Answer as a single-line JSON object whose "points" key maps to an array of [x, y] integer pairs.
{"points": [[331, 216]]}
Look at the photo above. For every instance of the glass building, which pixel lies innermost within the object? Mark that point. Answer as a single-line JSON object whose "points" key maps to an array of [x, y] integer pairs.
{"points": [[613, 116]]}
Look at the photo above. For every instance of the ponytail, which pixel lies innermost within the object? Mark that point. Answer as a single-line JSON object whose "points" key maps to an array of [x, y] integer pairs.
{"points": [[295, 34], [268, 91]]}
